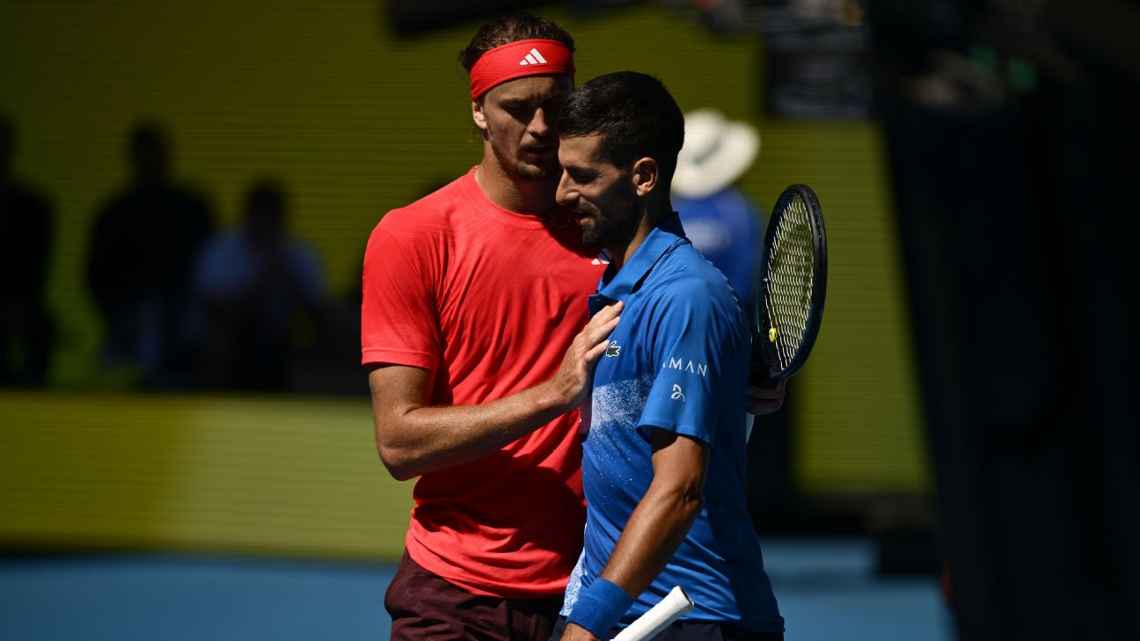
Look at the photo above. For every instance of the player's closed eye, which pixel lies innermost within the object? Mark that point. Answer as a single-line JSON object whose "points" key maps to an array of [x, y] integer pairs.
{"points": [[553, 107], [581, 177], [520, 111]]}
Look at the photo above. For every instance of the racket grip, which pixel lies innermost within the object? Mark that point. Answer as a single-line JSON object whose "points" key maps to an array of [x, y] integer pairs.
{"points": [[759, 371], [658, 617]]}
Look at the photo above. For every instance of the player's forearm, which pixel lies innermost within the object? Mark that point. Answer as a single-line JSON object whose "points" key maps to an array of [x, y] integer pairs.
{"points": [[414, 438], [653, 533], [651, 536], [417, 440]]}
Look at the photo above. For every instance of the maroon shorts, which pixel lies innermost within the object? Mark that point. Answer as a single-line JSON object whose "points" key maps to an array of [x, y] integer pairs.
{"points": [[424, 606]]}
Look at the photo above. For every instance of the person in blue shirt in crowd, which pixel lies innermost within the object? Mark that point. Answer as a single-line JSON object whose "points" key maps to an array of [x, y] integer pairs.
{"points": [[664, 452], [251, 284], [719, 219]]}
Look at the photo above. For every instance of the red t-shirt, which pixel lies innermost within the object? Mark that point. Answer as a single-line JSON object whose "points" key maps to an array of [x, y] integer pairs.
{"points": [[487, 300]]}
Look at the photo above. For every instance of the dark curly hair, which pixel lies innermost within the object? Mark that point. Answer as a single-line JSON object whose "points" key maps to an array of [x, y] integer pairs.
{"points": [[634, 113]]}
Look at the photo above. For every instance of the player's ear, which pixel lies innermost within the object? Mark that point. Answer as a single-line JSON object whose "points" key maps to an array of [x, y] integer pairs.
{"points": [[478, 116], [645, 175]]}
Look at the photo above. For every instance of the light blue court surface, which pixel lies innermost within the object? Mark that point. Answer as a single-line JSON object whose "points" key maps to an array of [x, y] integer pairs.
{"points": [[826, 592]]}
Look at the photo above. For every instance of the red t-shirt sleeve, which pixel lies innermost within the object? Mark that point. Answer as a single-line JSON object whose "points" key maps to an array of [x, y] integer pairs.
{"points": [[399, 324]]}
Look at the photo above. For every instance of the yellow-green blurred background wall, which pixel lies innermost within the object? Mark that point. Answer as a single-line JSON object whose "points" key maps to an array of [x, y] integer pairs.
{"points": [[355, 122], [296, 477]]}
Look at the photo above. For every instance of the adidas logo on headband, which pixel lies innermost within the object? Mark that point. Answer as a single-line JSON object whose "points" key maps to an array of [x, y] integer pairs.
{"points": [[532, 58], [518, 60]]}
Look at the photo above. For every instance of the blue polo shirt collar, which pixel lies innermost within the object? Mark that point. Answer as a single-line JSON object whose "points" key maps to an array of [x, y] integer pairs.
{"points": [[662, 239]]}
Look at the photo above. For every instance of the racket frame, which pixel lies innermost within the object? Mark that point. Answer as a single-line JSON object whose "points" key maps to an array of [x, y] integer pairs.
{"points": [[764, 352]]}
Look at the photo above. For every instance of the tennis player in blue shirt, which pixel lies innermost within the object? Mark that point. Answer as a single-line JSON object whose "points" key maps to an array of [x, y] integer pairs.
{"points": [[664, 456]]}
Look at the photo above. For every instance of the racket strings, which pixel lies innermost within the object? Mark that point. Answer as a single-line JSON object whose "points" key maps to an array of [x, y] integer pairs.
{"points": [[791, 277]]}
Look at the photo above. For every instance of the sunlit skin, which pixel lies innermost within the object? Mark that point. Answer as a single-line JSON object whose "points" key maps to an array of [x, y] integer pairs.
{"points": [[615, 206], [612, 205], [520, 145], [518, 172]]}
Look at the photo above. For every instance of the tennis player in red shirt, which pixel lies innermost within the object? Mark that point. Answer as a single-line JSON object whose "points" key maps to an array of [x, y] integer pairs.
{"points": [[472, 327]]}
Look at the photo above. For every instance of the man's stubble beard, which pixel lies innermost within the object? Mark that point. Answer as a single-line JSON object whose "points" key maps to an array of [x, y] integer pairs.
{"points": [[522, 170], [607, 231], [527, 171], [591, 236]]}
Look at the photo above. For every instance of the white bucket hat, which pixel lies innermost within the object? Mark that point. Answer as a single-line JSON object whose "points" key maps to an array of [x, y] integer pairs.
{"points": [[716, 152]]}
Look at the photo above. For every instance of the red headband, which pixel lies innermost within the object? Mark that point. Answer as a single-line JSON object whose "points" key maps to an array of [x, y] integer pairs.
{"points": [[538, 57]]}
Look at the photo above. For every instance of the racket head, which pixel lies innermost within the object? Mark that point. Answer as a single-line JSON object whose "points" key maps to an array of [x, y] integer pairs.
{"points": [[792, 284]]}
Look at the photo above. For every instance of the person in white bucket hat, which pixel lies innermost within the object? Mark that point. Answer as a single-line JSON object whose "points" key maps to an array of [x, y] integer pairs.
{"points": [[718, 218]]}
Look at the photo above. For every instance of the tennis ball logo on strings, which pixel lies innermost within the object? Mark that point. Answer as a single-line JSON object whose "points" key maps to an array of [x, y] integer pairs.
{"points": [[772, 334]]}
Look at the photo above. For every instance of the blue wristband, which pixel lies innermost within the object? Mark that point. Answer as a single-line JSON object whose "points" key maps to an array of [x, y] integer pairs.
{"points": [[600, 607]]}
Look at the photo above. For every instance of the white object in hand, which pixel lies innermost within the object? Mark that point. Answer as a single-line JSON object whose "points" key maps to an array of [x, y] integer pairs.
{"points": [[658, 617]]}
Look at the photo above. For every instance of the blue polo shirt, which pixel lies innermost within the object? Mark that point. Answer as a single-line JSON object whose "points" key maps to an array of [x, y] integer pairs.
{"points": [[677, 361]]}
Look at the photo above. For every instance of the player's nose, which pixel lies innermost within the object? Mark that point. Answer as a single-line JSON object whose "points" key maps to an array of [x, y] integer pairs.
{"points": [[540, 124], [564, 195]]}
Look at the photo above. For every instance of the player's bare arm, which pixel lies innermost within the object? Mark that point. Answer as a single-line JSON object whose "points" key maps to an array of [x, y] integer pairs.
{"points": [[414, 438], [661, 519]]}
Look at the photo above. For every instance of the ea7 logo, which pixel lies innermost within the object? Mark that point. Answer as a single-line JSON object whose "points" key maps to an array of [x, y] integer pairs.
{"points": [[683, 365], [677, 394]]}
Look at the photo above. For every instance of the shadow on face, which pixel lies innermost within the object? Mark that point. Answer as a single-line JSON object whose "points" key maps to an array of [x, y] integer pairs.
{"points": [[600, 194], [517, 118]]}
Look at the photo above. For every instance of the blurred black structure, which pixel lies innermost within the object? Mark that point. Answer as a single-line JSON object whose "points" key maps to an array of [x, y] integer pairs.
{"points": [[250, 284], [142, 250], [27, 227], [413, 17], [1009, 127], [816, 59]]}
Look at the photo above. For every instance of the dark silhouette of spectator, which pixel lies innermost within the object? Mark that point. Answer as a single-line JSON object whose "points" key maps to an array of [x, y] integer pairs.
{"points": [[142, 250], [26, 234], [331, 364], [251, 284]]}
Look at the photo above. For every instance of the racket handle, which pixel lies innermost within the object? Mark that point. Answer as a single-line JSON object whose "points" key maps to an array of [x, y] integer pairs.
{"points": [[658, 617], [759, 371]]}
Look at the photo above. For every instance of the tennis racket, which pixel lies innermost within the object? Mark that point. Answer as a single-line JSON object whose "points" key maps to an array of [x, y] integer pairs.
{"points": [[658, 617], [791, 288]]}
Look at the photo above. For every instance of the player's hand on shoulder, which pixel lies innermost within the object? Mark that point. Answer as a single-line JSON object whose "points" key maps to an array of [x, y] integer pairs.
{"points": [[572, 381], [765, 399], [577, 633]]}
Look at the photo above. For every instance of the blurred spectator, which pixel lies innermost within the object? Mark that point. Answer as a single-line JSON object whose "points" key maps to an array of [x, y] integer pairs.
{"points": [[332, 364], [718, 218], [26, 237], [142, 251], [251, 284]]}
